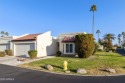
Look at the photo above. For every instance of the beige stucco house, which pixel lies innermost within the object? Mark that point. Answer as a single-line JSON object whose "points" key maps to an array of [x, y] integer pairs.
{"points": [[44, 43], [67, 43]]}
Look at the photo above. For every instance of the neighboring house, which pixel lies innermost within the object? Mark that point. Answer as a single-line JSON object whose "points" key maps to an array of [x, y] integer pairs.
{"points": [[5, 43], [44, 43], [67, 43]]}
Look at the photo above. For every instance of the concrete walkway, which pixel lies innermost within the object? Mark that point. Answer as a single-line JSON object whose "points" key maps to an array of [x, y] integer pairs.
{"points": [[11, 60]]}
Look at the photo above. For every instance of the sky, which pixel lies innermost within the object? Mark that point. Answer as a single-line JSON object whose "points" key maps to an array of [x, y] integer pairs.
{"points": [[19, 17]]}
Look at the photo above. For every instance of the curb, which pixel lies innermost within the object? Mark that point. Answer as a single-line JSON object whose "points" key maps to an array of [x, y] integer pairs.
{"points": [[59, 73]]}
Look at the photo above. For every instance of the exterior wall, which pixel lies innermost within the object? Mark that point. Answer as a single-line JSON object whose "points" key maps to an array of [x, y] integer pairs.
{"points": [[46, 44], [7, 41]]}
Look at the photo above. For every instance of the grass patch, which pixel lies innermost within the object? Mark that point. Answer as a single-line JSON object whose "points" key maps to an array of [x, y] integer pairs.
{"points": [[93, 64]]}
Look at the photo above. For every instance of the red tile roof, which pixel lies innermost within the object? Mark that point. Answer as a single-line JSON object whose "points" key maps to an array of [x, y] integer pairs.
{"points": [[68, 39], [27, 37]]}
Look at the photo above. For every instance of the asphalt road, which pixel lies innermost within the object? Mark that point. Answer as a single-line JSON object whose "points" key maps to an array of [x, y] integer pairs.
{"points": [[10, 74]]}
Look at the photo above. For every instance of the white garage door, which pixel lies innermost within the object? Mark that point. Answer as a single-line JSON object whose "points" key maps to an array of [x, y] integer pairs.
{"points": [[22, 49], [4, 47]]}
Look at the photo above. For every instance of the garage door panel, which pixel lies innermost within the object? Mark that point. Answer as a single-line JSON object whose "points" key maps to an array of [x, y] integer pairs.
{"points": [[22, 49]]}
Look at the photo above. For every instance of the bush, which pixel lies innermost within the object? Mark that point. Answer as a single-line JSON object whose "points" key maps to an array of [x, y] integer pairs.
{"points": [[100, 50], [2, 53], [96, 48], [9, 52], [119, 47], [32, 54], [113, 50], [84, 45], [58, 53]]}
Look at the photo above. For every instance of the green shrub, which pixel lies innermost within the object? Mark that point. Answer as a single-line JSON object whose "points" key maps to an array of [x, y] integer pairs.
{"points": [[100, 50], [2, 53], [58, 53], [119, 47], [84, 45], [32, 54], [113, 50], [96, 48], [9, 52]]}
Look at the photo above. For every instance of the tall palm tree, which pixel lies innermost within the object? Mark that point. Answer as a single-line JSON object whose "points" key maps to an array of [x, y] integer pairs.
{"points": [[108, 38], [2, 33], [119, 39], [93, 9], [98, 32], [6, 33], [123, 33]]}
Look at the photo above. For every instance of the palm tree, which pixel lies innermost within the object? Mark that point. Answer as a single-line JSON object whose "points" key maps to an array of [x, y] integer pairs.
{"points": [[98, 32], [119, 39], [6, 33], [93, 9], [2, 33], [108, 38], [123, 33]]}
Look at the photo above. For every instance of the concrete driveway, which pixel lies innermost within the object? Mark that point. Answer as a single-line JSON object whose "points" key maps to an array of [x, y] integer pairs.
{"points": [[12, 60], [11, 74]]}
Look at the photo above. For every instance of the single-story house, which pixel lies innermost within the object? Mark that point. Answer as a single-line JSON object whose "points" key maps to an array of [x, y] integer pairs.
{"points": [[44, 43], [67, 43]]}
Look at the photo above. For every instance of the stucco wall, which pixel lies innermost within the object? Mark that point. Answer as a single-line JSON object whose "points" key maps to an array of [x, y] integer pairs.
{"points": [[46, 44], [7, 41]]}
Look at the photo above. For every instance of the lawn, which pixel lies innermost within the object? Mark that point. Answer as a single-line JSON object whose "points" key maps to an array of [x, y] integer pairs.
{"points": [[93, 65]]}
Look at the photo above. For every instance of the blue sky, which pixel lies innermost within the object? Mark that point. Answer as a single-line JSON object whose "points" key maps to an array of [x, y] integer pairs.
{"points": [[61, 16]]}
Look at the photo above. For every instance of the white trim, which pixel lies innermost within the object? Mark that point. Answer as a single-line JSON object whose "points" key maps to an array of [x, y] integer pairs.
{"points": [[64, 52]]}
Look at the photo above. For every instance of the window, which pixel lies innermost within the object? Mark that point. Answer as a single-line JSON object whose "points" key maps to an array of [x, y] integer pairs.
{"points": [[69, 48], [63, 48]]}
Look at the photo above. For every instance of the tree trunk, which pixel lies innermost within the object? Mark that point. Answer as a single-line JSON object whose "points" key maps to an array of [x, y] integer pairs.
{"points": [[93, 25]]}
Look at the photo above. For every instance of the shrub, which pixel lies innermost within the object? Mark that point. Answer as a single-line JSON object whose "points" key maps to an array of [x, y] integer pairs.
{"points": [[119, 47], [100, 50], [9, 52], [113, 50], [2, 53], [96, 48], [32, 54], [58, 53], [84, 45]]}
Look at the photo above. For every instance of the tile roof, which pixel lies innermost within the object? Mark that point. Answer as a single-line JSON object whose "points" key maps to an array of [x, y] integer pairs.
{"points": [[27, 37], [68, 39]]}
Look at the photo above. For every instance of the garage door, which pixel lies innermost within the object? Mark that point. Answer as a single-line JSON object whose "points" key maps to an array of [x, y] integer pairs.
{"points": [[4, 47], [22, 49]]}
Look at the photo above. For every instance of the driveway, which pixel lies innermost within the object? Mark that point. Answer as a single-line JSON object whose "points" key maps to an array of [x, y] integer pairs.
{"points": [[11, 74], [12, 60]]}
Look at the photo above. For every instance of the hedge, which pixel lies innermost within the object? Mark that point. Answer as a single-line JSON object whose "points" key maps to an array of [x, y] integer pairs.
{"points": [[2, 53], [32, 54], [9, 52], [84, 45]]}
